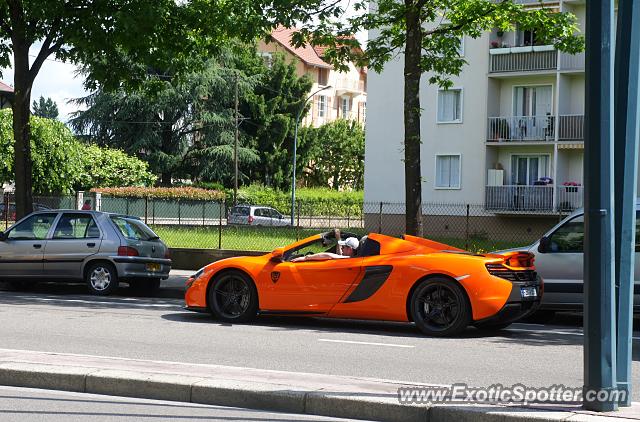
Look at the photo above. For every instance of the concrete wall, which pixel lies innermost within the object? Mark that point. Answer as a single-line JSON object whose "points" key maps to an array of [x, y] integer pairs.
{"points": [[194, 259]]}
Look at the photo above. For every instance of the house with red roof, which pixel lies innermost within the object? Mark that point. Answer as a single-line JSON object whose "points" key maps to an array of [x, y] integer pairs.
{"points": [[6, 95], [346, 96]]}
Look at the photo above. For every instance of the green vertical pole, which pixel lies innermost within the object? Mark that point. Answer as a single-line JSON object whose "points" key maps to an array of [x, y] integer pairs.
{"points": [[627, 72], [599, 327]]}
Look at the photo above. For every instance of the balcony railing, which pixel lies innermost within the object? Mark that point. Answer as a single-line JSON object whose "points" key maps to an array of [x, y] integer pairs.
{"points": [[535, 199], [521, 128], [520, 59], [572, 61], [519, 198], [571, 128]]}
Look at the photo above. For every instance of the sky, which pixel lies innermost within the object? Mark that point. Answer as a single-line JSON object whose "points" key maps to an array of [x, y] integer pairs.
{"points": [[60, 81]]}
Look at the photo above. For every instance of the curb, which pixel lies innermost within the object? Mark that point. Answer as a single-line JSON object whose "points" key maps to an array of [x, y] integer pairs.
{"points": [[266, 396]]}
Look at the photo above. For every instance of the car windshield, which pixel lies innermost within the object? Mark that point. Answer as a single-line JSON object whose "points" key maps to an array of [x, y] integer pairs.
{"points": [[133, 229]]}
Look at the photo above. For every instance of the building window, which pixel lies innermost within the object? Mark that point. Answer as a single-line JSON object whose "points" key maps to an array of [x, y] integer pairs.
{"points": [[526, 37], [323, 76], [364, 112], [322, 105], [345, 108], [267, 58], [448, 171], [450, 106], [529, 169]]}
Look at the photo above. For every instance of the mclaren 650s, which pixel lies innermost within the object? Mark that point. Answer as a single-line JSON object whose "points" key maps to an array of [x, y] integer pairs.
{"points": [[440, 288]]}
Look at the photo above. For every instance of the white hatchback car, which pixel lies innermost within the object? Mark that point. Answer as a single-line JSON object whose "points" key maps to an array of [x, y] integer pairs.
{"points": [[257, 216]]}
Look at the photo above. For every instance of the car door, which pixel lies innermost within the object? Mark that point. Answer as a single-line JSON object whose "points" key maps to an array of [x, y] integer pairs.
{"points": [[307, 286], [75, 238], [22, 250], [560, 264]]}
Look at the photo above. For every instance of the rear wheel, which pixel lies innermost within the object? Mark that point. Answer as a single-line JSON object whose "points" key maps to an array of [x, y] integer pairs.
{"points": [[440, 308], [233, 297], [102, 279]]}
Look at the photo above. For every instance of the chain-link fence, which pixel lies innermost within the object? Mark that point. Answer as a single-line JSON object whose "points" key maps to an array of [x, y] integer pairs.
{"points": [[221, 225]]}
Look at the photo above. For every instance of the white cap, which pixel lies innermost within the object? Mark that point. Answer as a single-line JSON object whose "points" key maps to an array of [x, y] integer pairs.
{"points": [[351, 242]]}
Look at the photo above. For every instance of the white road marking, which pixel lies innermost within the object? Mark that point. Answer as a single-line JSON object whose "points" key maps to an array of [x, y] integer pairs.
{"points": [[566, 333], [368, 343], [103, 302]]}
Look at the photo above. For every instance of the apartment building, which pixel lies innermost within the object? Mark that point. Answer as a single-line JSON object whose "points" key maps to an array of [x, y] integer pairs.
{"points": [[345, 93], [508, 135], [6, 95]]}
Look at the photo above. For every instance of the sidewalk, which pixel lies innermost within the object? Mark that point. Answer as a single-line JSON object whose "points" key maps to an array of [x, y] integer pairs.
{"points": [[314, 394]]}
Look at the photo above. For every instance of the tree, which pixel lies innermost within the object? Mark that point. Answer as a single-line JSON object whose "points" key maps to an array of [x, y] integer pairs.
{"points": [[337, 155], [118, 42], [46, 108], [428, 33], [62, 164], [180, 126], [270, 109]]}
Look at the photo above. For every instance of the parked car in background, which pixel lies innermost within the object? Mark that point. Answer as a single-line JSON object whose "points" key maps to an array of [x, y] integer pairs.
{"points": [[99, 248], [559, 259], [257, 216], [12, 210]]}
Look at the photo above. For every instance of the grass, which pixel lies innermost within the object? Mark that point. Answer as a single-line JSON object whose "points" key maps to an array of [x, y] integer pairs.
{"points": [[269, 238]]}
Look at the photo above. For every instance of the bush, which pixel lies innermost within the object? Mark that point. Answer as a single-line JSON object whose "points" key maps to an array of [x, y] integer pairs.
{"points": [[187, 193], [62, 164], [313, 201]]}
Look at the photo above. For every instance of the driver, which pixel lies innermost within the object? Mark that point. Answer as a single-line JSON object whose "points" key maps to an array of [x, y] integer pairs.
{"points": [[346, 249]]}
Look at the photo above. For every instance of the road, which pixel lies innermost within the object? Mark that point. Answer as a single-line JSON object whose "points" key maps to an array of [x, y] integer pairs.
{"points": [[31, 405], [62, 318]]}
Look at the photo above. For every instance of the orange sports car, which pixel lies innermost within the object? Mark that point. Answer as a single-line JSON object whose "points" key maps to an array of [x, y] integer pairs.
{"points": [[440, 288]]}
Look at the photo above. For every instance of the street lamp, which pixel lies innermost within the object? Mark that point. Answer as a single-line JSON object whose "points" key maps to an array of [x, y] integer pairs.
{"points": [[295, 149]]}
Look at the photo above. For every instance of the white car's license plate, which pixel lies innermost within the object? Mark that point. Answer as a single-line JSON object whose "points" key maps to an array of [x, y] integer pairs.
{"points": [[528, 292]]}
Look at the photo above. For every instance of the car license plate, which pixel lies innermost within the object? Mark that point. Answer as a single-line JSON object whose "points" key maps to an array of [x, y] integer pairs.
{"points": [[153, 267], [528, 292]]}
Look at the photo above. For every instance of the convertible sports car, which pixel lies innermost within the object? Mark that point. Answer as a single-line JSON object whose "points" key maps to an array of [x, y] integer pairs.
{"points": [[441, 288]]}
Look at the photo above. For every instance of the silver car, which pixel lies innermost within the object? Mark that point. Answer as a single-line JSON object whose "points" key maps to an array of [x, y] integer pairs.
{"points": [[559, 261], [100, 248], [257, 216]]}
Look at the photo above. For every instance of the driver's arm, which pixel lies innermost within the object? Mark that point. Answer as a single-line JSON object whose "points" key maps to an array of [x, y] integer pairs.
{"points": [[322, 256]]}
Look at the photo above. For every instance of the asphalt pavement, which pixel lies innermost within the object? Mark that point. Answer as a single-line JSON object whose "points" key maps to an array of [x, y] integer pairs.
{"points": [[64, 319], [35, 405]]}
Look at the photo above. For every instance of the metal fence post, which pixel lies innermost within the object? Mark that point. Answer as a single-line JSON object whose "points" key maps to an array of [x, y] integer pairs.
{"points": [[6, 210], [204, 205], [466, 232], [153, 211], [179, 215], [220, 225], [380, 219], [348, 215], [126, 201], [146, 210], [298, 223]]}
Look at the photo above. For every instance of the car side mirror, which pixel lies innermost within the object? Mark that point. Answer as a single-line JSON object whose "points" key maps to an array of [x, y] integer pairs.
{"points": [[544, 245], [3, 236], [277, 255]]}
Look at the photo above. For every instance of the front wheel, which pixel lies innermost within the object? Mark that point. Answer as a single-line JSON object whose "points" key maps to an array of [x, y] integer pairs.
{"points": [[233, 297], [102, 279], [440, 308]]}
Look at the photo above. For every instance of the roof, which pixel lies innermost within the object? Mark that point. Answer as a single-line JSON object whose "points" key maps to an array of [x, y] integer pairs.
{"points": [[307, 54], [5, 88]]}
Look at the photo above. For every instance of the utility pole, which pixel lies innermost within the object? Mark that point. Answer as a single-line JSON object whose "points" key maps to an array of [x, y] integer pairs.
{"points": [[235, 150]]}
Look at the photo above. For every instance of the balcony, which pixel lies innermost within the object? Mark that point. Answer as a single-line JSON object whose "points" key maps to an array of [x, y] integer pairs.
{"points": [[523, 59], [533, 199], [349, 86], [536, 128], [572, 62]]}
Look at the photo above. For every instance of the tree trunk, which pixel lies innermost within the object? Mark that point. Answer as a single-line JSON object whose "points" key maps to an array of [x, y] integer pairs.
{"points": [[22, 129], [412, 74]]}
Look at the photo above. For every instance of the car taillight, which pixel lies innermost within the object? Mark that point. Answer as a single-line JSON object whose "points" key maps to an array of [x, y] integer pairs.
{"points": [[127, 251], [501, 271], [250, 219]]}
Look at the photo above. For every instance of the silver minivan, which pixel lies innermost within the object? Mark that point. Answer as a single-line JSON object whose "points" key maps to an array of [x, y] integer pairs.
{"points": [[99, 248], [559, 261]]}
